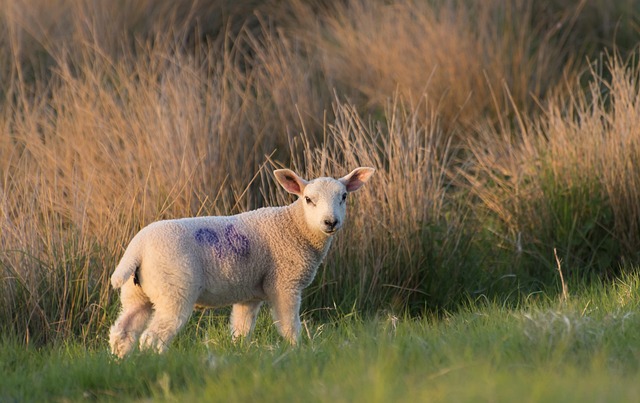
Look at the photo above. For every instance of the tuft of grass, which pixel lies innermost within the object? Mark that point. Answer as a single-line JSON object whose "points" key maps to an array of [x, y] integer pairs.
{"points": [[398, 242], [567, 179]]}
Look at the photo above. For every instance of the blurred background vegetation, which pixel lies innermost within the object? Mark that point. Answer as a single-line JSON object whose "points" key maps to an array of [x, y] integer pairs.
{"points": [[501, 130]]}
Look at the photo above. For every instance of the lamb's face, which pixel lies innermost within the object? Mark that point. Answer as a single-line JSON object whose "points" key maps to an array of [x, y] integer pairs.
{"points": [[324, 201]]}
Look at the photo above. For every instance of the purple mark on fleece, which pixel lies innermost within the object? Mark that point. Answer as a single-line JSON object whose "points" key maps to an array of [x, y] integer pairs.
{"points": [[230, 243], [207, 236], [238, 243]]}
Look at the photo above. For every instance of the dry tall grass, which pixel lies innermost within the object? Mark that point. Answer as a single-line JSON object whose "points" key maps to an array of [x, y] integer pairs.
{"points": [[115, 114], [569, 177], [462, 54]]}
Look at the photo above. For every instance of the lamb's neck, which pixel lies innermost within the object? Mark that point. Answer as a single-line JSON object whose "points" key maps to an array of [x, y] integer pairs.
{"points": [[317, 240]]}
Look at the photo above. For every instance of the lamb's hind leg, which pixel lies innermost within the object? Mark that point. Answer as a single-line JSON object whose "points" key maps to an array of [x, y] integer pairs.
{"points": [[168, 318], [243, 318], [136, 310]]}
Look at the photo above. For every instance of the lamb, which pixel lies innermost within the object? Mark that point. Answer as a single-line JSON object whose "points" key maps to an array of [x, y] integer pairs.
{"points": [[269, 254]]}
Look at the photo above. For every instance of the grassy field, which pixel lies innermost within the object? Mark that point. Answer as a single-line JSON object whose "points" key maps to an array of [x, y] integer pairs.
{"points": [[504, 134], [582, 349]]}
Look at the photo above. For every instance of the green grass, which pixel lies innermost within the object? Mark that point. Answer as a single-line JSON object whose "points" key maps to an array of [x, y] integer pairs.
{"points": [[583, 349]]}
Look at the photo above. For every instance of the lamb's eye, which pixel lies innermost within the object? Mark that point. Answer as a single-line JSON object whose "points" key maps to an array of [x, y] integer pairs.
{"points": [[344, 196], [308, 199]]}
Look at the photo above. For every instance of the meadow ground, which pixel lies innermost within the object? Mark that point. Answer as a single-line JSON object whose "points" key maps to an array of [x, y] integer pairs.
{"points": [[584, 349]]}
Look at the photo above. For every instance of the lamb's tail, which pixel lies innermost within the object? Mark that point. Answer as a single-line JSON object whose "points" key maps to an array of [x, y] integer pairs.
{"points": [[128, 264]]}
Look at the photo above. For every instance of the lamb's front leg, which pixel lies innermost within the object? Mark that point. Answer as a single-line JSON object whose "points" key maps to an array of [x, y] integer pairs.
{"points": [[285, 308], [243, 318]]}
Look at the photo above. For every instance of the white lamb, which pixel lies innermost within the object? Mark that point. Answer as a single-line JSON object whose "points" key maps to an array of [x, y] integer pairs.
{"points": [[270, 254]]}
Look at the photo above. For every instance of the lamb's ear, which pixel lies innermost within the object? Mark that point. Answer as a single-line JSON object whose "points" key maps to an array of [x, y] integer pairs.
{"points": [[290, 181], [357, 178]]}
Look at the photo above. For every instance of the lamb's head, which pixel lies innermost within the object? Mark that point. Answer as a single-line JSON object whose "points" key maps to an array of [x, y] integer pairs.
{"points": [[324, 199]]}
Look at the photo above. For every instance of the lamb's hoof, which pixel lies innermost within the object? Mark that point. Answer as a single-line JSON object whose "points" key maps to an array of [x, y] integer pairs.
{"points": [[121, 343], [151, 341]]}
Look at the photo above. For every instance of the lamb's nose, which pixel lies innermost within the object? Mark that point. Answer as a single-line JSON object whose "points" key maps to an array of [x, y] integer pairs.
{"points": [[331, 223]]}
